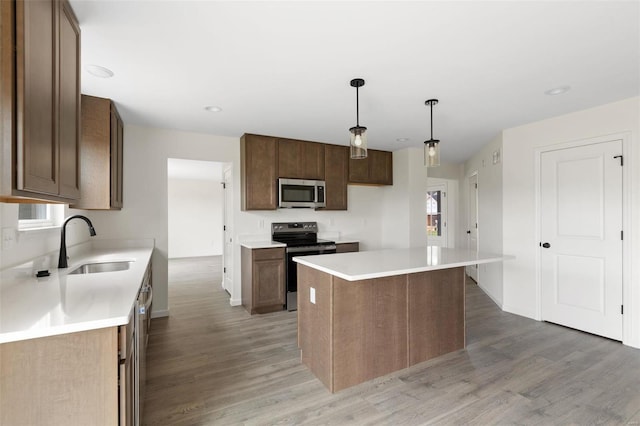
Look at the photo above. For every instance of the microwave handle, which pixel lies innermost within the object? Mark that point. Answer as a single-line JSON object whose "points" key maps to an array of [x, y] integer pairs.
{"points": [[319, 192]]}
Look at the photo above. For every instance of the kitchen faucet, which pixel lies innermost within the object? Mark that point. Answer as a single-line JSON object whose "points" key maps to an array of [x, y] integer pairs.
{"points": [[62, 259]]}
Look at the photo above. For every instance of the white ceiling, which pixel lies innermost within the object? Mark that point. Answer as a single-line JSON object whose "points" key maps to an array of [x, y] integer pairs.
{"points": [[283, 68]]}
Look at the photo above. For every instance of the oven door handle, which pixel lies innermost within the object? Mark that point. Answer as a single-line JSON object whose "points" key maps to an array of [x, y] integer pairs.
{"points": [[323, 249]]}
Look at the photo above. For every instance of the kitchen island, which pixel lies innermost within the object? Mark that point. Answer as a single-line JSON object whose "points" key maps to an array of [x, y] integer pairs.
{"points": [[366, 314]]}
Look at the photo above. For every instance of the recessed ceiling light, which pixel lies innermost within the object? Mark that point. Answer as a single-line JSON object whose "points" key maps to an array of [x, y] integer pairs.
{"points": [[557, 90], [402, 140], [98, 71], [213, 108]]}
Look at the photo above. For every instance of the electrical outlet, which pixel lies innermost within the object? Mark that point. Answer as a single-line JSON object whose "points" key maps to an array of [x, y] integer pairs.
{"points": [[312, 295], [8, 238]]}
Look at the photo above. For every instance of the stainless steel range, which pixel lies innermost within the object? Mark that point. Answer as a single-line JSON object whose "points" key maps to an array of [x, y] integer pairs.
{"points": [[301, 239]]}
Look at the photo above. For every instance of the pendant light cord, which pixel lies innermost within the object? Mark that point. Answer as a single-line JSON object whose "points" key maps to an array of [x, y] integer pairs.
{"points": [[357, 107], [431, 105]]}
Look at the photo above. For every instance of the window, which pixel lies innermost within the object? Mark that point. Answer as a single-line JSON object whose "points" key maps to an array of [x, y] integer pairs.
{"points": [[434, 213], [32, 216]]}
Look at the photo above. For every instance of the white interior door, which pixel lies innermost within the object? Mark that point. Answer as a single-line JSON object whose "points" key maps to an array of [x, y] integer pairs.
{"points": [[581, 238], [472, 222], [227, 254], [437, 215]]}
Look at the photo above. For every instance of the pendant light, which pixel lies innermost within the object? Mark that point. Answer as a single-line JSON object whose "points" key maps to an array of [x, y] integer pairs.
{"points": [[432, 146], [358, 133]]}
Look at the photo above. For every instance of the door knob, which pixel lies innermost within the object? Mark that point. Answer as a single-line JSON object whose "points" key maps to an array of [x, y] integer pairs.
{"points": [[546, 245]]}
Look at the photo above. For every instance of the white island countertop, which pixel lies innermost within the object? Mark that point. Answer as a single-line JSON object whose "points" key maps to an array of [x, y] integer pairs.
{"points": [[61, 303], [384, 263]]}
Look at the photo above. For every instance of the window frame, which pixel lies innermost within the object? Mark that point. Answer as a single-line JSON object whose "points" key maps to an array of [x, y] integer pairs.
{"points": [[54, 213]]}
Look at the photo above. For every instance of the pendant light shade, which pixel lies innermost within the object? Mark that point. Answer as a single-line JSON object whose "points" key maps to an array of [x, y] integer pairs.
{"points": [[358, 133], [432, 146]]}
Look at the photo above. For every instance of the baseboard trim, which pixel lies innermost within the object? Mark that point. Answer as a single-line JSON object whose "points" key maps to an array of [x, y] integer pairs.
{"points": [[235, 302], [159, 314], [522, 312], [491, 296]]}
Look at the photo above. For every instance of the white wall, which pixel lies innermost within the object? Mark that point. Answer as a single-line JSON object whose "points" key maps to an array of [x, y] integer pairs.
{"points": [[195, 217], [489, 214], [27, 245], [519, 202], [145, 211]]}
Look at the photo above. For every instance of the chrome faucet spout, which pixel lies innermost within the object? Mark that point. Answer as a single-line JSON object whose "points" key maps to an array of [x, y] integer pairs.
{"points": [[62, 259]]}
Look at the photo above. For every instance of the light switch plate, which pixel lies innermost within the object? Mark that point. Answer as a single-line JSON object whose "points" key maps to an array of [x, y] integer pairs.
{"points": [[312, 295]]}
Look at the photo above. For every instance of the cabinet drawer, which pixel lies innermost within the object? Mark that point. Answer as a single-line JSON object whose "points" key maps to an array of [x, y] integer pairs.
{"points": [[269, 253]]}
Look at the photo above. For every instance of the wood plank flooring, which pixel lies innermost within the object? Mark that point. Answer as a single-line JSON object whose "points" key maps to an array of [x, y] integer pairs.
{"points": [[214, 364]]}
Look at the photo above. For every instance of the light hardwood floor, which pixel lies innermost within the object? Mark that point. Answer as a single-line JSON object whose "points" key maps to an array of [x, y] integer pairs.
{"points": [[214, 364]]}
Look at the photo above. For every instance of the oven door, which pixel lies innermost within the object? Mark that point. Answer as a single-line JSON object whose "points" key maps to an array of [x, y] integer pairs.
{"points": [[292, 271]]}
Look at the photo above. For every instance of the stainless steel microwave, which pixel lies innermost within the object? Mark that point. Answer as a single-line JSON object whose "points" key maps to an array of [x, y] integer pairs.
{"points": [[301, 193]]}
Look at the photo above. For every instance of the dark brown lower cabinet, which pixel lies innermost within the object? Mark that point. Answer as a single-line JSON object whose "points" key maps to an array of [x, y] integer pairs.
{"points": [[355, 331], [263, 279], [347, 247]]}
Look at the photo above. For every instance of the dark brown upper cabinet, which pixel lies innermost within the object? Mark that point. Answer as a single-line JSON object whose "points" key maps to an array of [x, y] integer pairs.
{"points": [[300, 159], [264, 159], [336, 171], [376, 169], [101, 155], [40, 101], [258, 177]]}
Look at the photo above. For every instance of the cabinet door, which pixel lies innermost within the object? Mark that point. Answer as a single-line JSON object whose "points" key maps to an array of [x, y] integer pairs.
{"points": [[116, 158], [37, 162], [376, 169], [268, 274], [336, 166], [381, 167], [126, 374], [300, 159], [268, 278], [69, 103], [258, 175], [289, 159], [312, 161], [359, 170]]}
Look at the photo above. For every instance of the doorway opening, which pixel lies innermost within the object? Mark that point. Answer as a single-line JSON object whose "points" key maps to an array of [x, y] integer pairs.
{"points": [[196, 221]]}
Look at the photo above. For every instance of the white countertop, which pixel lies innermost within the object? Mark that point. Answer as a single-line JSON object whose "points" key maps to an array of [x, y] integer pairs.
{"points": [[384, 263], [261, 244], [33, 307]]}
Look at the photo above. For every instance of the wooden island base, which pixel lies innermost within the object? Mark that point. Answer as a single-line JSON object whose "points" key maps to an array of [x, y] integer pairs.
{"points": [[359, 330]]}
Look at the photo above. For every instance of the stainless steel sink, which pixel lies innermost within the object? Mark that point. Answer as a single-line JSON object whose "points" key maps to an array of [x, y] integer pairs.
{"points": [[95, 268]]}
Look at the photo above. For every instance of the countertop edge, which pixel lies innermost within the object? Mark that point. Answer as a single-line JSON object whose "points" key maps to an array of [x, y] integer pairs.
{"points": [[400, 271], [261, 244]]}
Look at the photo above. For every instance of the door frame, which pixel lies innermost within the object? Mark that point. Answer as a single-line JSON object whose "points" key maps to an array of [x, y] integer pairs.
{"points": [[468, 210], [227, 223], [441, 185], [627, 289]]}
